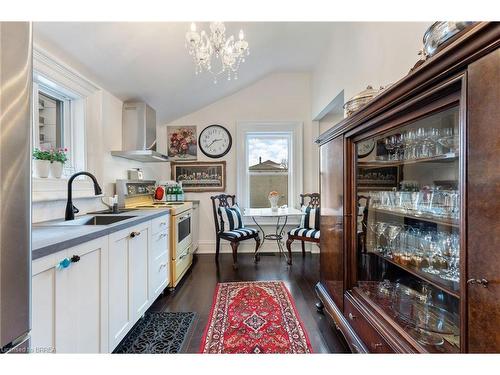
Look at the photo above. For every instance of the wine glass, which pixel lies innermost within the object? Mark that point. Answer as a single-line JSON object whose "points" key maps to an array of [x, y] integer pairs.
{"points": [[431, 251], [380, 229], [393, 231], [389, 145]]}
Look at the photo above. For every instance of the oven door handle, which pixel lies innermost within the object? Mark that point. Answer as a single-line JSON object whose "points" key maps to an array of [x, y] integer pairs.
{"points": [[182, 218]]}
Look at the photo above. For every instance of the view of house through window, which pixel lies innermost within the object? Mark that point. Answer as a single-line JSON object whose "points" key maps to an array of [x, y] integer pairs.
{"points": [[268, 158], [50, 122]]}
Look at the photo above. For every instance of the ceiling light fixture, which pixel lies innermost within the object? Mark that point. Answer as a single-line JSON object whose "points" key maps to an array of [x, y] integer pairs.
{"points": [[215, 53]]}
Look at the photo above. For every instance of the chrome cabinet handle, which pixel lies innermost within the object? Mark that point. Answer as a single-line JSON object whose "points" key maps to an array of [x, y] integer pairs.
{"points": [[482, 282], [135, 234], [162, 266], [163, 224], [163, 235], [351, 316]]}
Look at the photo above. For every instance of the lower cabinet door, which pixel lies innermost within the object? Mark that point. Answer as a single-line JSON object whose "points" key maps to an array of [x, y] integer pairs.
{"points": [[69, 313], [81, 300], [128, 280], [138, 270]]}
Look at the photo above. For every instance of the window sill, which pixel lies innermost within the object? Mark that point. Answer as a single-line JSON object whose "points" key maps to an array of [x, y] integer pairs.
{"points": [[55, 189]]}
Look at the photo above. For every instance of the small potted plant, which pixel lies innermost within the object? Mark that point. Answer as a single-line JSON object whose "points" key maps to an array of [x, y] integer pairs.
{"points": [[59, 157], [41, 162]]}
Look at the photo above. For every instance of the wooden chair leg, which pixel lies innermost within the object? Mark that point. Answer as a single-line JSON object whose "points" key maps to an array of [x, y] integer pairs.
{"points": [[234, 246], [257, 245], [303, 248], [217, 248], [289, 248]]}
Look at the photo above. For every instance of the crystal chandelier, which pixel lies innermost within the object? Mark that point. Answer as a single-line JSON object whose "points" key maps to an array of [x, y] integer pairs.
{"points": [[215, 53]]}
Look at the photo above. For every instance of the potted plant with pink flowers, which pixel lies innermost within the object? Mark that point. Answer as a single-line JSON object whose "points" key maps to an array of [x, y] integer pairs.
{"points": [[59, 158]]}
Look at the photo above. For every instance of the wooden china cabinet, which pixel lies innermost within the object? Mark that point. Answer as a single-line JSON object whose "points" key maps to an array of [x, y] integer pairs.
{"points": [[410, 194]]}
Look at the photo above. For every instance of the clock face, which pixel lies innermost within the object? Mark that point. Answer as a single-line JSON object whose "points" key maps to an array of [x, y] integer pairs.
{"points": [[366, 147], [215, 141]]}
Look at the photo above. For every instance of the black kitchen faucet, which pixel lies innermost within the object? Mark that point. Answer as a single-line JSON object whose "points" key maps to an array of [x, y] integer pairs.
{"points": [[70, 209]]}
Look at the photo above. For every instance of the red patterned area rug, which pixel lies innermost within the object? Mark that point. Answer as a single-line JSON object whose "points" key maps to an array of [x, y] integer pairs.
{"points": [[254, 317]]}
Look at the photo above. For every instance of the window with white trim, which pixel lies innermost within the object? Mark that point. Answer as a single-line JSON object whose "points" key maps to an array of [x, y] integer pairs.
{"points": [[59, 122], [270, 160]]}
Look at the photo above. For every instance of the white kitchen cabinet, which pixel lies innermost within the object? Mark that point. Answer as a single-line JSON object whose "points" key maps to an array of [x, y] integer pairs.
{"points": [[159, 264], [128, 279], [69, 313], [93, 303]]}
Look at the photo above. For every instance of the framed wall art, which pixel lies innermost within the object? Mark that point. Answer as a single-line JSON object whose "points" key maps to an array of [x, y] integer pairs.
{"points": [[182, 142], [199, 176]]}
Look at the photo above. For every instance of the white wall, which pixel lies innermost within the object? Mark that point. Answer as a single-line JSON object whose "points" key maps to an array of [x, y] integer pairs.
{"points": [[278, 97], [365, 53]]}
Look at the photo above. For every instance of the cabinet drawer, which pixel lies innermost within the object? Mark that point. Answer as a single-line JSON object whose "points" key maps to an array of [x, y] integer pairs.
{"points": [[159, 244], [159, 274], [370, 337], [180, 265], [160, 224]]}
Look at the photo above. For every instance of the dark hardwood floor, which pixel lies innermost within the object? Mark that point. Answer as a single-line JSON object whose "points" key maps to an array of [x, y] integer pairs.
{"points": [[195, 293]]}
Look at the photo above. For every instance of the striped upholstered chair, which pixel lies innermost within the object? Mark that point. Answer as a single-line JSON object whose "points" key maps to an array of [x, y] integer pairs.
{"points": [[229, 225], [308, 229]]}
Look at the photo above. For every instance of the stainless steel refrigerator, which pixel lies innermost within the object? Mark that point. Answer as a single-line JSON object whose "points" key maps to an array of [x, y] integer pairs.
{"points": [[15, 185]]}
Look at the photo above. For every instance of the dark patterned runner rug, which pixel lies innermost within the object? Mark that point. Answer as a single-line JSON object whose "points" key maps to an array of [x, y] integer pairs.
{"points": [[157, 333]]}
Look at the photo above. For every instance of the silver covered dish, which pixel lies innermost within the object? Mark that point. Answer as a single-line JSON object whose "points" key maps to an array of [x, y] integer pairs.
{"points": [[440, 32]]}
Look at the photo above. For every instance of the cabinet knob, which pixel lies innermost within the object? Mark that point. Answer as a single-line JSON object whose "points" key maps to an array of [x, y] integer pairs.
{"points": [[135, 234], [482, 282], [351, 316], [75, 258], [65, 263]]}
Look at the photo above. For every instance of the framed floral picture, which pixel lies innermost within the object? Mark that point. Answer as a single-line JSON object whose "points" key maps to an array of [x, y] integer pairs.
{"points": [[182, 142], [197, 176]]}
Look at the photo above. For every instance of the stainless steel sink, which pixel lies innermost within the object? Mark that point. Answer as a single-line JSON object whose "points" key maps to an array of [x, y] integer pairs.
{"points": [[96, 220], [110, 212]]}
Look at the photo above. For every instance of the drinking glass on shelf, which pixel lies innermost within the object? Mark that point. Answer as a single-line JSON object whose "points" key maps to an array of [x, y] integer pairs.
{"points": [[380, 229], [397, 140], [393, 231], [431, 251], [389, 145], [451, 245]]}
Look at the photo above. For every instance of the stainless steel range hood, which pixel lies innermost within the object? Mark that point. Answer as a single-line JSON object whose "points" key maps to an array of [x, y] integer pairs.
{"points": [[139, 134]]}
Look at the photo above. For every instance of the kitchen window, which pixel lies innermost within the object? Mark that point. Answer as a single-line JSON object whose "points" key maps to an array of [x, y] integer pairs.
{"points": [[58, 122], [270, 160]]}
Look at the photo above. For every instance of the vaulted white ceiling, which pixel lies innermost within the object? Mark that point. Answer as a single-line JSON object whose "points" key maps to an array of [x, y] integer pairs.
{"points": [[148, 61]]}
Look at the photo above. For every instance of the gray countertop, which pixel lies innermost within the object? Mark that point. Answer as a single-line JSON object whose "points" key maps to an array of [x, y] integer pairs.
{"points": [[53, 236], [194, 201]]}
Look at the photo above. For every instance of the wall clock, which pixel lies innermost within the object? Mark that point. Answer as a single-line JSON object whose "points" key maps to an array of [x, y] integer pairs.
{"points": [[215, 141], [365, 147]]}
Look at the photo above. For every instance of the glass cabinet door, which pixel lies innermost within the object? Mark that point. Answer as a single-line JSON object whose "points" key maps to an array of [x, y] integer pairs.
{"points": [[408, 236]]}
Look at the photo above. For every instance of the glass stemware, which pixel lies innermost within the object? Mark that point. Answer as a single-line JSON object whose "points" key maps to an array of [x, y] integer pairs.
{"points": [[380, 229], [393, 231], [389, 145], [431, 251]]}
